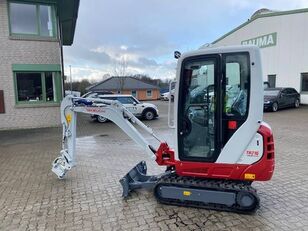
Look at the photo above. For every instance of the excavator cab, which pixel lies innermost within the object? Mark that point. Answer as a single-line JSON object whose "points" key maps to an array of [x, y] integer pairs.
{"points": [[213, 102]]}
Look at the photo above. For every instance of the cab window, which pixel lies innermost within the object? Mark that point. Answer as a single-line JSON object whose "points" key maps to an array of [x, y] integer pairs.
{"points": [[236, 85]]}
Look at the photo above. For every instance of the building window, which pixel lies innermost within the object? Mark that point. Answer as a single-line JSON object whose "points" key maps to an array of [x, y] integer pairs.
{"points": [[32, 19], [134, 93], [304, 82], [271, 80], [37, 87], [149, 93]]}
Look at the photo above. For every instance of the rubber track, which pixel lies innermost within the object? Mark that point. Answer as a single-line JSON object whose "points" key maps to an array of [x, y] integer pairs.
{"points": [[210, 184]]}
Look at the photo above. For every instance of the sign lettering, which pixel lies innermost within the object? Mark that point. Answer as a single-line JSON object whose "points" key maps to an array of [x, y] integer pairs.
{"points": [[267, 40]]}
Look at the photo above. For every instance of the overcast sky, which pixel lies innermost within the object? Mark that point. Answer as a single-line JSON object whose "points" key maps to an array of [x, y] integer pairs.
{"points": [[144, 33]]}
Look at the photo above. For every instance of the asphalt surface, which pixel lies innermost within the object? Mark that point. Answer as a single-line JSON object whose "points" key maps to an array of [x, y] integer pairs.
{"points": [[89, 198]]}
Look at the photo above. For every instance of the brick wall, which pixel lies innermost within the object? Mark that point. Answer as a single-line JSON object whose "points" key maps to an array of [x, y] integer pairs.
{"points": [[23, 52], [142, 94]]}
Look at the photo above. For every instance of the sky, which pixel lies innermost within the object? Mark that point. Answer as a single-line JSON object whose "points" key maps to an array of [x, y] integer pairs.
{"points": [[127, 37]]}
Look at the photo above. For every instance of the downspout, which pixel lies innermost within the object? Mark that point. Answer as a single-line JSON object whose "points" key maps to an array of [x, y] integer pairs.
{"points": [[62, 61]]}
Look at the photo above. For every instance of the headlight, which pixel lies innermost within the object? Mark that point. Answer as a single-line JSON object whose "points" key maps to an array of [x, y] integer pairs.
{"points": [[267, 102]]}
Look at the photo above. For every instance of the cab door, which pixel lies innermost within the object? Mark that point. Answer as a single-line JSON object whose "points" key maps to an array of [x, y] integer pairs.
{"points": [[284, 99], [213, 104], [198, 119]]}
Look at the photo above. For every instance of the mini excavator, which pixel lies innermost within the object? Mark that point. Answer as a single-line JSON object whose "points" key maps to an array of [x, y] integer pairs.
{"points": [[221, 145]]}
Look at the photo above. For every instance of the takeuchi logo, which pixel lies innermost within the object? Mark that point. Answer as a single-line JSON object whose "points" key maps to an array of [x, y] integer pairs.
{"points": [[262, 41], [94, 109]]}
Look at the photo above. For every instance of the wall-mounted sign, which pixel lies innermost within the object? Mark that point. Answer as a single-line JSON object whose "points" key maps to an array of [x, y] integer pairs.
{"points": [[267, 40]]}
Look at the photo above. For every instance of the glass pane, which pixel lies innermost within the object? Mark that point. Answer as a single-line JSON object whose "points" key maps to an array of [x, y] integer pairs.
{"points": [[134, 93], [272, 80], [23, 18], [29, 87], [237, 83], [305, 82], [50, 87], [46, 26], [123, 100], [198, 110], [149, 93]]}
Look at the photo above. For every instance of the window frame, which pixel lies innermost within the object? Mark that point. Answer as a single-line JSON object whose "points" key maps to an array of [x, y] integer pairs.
{"points": [[216, 58], [57, 91], [38, 20], [274, 77], [229, 116], [135, 95], [301, 83], [151, 95]]}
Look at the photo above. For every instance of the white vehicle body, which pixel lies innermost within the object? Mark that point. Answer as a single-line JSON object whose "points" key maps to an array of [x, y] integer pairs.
{"points": [[167, 95], [139, 109]]}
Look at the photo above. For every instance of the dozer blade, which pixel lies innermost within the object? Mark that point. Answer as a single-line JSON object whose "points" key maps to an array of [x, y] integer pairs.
{"points": [[136, 178]]}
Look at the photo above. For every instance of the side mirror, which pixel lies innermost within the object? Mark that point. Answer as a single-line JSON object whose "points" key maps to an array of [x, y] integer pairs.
{"points": [[134, 103]]}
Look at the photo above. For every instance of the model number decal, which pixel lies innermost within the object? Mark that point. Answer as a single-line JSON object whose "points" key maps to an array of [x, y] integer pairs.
{"points": [[252, 153]]}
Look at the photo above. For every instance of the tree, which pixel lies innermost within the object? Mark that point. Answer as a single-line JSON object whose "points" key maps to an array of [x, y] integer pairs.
{"points": [[163, 84], [79, 86], [120, 68]]}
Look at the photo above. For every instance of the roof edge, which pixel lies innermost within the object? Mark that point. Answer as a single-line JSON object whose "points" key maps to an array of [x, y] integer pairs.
{"points": [[68, 14], [272, 14], [142, 81], [94, 85]]}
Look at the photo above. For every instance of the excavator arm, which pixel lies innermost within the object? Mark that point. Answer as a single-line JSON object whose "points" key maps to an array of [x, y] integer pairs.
{"points": [[110, 109]]}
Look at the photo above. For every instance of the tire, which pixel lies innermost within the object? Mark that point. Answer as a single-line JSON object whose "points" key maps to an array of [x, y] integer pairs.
{"points": [[149, 114], [101, 119], [275, 107], [296, 103]]}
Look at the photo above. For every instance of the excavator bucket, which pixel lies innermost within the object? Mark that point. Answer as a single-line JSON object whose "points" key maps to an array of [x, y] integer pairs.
{"points": [[136, 178]]}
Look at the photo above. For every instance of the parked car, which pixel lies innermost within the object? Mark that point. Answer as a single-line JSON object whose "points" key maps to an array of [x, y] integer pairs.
{"points": [[277, 98], [146, 111], [165, 96]]}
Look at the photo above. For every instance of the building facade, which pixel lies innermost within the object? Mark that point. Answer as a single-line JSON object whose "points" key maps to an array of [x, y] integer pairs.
{"points": [[31, 37], [127, 86], [282, 38]]}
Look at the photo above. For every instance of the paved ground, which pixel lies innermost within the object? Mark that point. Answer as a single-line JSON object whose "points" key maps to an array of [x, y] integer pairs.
{"points": [[32, 198]]}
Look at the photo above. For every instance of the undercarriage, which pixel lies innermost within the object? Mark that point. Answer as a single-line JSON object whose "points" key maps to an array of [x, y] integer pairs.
{"points": [[169, 188]]}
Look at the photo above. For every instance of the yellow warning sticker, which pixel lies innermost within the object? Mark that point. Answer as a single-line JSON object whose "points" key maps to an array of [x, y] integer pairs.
{"points": [[186, 193], [68, 118], [249, 176]]}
